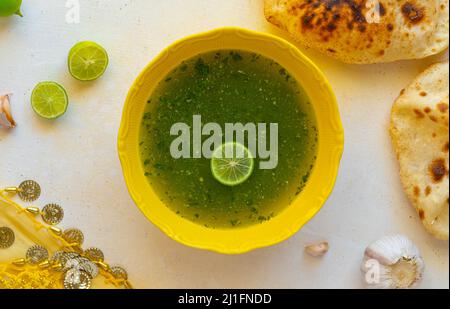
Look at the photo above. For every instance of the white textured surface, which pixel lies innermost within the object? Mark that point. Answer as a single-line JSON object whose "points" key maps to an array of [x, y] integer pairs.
{"points": [[75, 159]]}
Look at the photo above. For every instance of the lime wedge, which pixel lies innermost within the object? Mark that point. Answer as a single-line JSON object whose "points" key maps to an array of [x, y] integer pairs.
{"points": [[232, 170], [49, 100], [87, 61]]}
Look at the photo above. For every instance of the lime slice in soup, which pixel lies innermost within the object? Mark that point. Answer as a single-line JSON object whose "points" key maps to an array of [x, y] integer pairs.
{"points": [[49, 100], [87, 61], [232, 164]]}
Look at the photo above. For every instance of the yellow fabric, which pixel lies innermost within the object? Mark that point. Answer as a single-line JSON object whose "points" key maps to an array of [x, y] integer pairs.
{"points": [[28, 232]]}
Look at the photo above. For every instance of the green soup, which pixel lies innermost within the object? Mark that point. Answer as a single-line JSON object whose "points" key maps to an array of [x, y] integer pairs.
{"points": [[228, 86]]}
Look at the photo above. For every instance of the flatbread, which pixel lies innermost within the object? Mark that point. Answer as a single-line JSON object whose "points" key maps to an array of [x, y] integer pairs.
{"points": [[420, 134], [365, 31]]}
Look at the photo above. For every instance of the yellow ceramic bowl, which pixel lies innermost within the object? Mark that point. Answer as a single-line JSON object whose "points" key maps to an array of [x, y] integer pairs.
{"points": [[307, 204]]}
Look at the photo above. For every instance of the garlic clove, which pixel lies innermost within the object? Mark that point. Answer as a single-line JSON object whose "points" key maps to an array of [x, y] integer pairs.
{"points": [[393, 262], [6, 118], [317, 250]]}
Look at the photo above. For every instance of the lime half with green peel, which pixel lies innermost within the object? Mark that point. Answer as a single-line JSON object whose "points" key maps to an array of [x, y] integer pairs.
{"points": [[232, 164], [10, 7], [87, 61], [49, 100]]}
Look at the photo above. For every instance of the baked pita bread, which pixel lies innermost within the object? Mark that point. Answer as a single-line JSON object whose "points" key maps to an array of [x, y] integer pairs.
{"points": [[420, 134], [365, 31]]}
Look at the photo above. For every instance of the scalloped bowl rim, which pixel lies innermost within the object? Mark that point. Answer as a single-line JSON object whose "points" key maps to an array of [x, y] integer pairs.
{"points": [[309, 201]]}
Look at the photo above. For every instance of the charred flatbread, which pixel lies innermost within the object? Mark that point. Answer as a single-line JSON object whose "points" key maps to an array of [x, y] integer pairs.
{"points": [[420, 135]]}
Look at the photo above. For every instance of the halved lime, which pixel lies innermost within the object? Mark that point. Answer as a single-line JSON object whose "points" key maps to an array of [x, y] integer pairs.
{"points": [[232, 170], [49, 100], [87, 61]]}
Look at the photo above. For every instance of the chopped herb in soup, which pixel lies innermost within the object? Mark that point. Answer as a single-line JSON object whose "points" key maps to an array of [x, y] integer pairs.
{"points": [[221, 87]]}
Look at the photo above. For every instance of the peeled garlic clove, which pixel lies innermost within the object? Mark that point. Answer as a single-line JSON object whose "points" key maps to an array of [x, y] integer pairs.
{"points": [[6, 118], [393, 262], [317, 250]]}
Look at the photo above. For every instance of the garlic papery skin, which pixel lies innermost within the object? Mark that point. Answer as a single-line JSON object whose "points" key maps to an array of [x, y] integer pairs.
{"points": [[6, 118], [317, 250], [393, 262]]}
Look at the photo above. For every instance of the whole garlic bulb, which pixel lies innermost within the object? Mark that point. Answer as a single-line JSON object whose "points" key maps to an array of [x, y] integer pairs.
{"points": [[393, 262]]}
